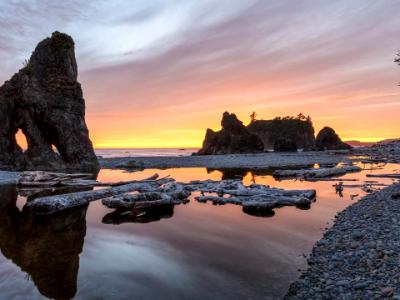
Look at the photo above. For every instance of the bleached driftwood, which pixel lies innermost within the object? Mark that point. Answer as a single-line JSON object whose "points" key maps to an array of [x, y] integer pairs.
{"points": [[254, 196], [166, 191], [262, 201], [41, 179], [318, 172], [361, 185], [169, 193], [330, 179], [395, 176], [236, 188], [46, 205]]}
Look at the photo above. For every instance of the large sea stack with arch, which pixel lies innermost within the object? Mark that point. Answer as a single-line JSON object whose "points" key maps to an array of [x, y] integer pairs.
{"points": [[44, 100]]}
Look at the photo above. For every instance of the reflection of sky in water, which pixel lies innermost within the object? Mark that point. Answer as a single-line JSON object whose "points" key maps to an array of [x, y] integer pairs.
{"points": [[202, 251]]}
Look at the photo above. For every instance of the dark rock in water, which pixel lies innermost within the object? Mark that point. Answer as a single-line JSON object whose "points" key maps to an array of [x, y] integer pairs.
{"points": [[299, 130], [44, 100], [234, 137], [285, 145], [327, 139]]}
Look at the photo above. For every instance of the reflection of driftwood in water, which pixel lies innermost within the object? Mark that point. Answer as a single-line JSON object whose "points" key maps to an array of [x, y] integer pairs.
{"points": [[45, 247], [147, 215], [258, 212]]}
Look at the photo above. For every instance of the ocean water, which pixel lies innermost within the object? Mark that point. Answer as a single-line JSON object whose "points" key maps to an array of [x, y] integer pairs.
{"points": [[192, 251]]}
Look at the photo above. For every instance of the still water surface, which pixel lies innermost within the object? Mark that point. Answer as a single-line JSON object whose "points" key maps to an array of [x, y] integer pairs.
{"points": [[192, 251]]}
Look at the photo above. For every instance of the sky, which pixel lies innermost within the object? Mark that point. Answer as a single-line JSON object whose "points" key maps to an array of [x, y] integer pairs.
{"points": [[158, 73]]}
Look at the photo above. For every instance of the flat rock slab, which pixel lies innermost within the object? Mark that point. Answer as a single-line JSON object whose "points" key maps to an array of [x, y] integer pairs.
{"points": [[359, 257], [259, 160]]}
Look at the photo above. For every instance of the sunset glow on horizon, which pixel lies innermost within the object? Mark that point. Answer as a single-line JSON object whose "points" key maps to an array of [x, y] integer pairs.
{"points": [[159, 74]]}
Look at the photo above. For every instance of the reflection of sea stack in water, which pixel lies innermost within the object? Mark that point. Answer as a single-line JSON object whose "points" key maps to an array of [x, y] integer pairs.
{"points": [[45, 247], [234, 137], [44, 100]]}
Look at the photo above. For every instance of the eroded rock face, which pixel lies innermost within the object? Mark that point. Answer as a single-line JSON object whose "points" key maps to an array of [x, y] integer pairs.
{"points": [[327, 139], [285, 145], [44, 100], [270, 131], [234, 137]]}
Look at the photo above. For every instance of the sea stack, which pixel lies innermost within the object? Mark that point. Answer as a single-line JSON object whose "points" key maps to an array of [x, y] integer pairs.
{"points": [[44, 100], [234, 137], [327, 139], [271, 132]]}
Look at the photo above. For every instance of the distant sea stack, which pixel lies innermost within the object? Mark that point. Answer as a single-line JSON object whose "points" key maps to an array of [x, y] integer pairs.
{"points": [[300, 130], [44, 100], [327, 139], [234, 137]]}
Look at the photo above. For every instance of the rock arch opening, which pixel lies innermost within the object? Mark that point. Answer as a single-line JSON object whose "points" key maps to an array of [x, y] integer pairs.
{"points": [[21, 140]]}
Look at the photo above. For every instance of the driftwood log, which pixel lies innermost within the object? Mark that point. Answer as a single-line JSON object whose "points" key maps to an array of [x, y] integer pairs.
{"points": [[42, 179], [166, 191], [395, 176], [318, 172], [51, 204], [255, 195]]}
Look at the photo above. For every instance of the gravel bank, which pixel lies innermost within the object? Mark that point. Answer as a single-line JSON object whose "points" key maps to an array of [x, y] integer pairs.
{"points": [[259, 160], [359, 257]]}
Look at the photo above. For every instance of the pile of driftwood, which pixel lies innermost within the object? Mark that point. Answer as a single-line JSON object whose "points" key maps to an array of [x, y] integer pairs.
{"points": [[152, 192], [315, 173], [367, 186]]}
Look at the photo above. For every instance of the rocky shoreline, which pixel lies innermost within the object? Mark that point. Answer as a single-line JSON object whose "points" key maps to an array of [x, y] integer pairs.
{"points": [[358, 258], [250, 161]]}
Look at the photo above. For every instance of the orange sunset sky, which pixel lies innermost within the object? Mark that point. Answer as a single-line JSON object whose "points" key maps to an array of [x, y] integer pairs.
{"points": [[158, 73]]}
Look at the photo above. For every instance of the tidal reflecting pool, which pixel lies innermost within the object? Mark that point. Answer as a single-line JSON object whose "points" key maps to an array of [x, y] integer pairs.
{"points": [[191, 251]]}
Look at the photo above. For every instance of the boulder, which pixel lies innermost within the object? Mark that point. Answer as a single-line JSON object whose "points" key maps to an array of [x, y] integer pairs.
{"points": [[234, 137], [285, 145], [327, 139], [44, 100]]}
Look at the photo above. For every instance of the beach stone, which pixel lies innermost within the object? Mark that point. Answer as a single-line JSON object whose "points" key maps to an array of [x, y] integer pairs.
{"points": [[367, 272], [234, 137], [44, 100]]}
